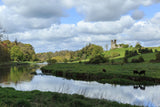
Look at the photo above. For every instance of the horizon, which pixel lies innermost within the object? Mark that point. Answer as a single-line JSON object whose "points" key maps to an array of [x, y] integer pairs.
{"points": [[68, 25]]}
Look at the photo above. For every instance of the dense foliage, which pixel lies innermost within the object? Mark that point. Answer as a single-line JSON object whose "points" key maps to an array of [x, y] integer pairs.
{"points": [[4, 53], [87, 52], [98, 59], [145, 50], [19, 51], [138, 45], [140, 59], [130, 53]]}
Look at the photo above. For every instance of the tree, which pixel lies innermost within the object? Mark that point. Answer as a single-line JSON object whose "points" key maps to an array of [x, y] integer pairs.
{"points": [[138, 45], [16, 54]]}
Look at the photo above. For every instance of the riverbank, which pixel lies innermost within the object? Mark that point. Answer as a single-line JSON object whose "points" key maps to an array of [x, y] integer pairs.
{"points": [[10, 97], [16, 63], [113, 74]]}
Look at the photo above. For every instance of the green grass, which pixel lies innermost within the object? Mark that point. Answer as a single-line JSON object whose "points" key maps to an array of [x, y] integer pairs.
{"points": [[12, 98], [115, 74], [121, 51], [147, 57]]}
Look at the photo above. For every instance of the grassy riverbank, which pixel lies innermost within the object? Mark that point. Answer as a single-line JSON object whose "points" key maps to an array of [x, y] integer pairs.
{"points": [[115, 74], [12, 98]]}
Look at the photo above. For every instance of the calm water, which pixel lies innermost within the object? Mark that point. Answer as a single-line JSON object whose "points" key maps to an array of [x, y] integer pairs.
{"points": [[21, 79]]}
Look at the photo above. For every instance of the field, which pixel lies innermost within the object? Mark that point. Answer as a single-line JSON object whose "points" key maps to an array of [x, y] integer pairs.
{"points": [[115, 74], [12, 98]]}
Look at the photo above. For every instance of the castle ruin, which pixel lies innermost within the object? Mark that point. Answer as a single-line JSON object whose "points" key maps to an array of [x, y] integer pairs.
{"points": [[114, 44]]}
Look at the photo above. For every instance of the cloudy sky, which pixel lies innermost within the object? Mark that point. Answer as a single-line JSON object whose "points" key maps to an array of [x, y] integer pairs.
{"points": [[54, 25]]}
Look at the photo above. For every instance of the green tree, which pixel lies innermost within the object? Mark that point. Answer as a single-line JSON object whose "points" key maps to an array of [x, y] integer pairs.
{"points": [[16, 54], [138, 45]]}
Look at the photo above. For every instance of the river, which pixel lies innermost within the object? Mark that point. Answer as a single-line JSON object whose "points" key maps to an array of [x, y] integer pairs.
{"points": [[20, 78]]}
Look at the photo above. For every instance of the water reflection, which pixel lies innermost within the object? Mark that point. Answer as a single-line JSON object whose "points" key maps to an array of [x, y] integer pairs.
{"points": [[147, 96], [142, 87], [16, 74]]}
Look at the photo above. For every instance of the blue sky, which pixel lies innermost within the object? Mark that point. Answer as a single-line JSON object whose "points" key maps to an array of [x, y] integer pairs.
{"points": [[73, 24]]}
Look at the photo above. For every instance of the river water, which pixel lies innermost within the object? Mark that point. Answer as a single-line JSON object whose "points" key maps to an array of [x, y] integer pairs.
{"points": [[21, 79]]}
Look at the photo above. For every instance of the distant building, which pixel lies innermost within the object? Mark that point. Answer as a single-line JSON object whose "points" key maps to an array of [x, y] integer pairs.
{"points": [[114, 44]]}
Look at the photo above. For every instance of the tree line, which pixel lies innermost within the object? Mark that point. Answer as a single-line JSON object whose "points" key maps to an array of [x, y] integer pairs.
{"points": [[86, 52], [16, 51]]}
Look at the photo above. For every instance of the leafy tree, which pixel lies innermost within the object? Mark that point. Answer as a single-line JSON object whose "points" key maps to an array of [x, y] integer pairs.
{"points": [[16, 54], [138, 45]]}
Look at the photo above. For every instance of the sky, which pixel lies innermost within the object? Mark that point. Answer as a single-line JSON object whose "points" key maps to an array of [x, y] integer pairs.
{"points": [[54, 25]]}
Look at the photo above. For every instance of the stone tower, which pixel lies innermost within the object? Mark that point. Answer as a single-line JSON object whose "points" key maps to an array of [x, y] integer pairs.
{"points": [[113, 44]]}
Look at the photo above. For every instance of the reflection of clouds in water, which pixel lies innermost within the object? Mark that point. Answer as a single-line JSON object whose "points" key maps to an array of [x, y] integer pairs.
{"points": [[123, 94]]}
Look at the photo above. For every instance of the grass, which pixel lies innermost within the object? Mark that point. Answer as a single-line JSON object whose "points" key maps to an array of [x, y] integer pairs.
{"points": [[120, 51], [147, 57], [12, 98], [115, 74]]}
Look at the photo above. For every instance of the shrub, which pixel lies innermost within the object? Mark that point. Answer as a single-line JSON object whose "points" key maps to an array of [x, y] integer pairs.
{"points": [[52, 61], [135, 61], [112, 61], [130, 53], [140, 59], [156, 50], [158, 56], [145, 50], [125, 60], [98, 59]]}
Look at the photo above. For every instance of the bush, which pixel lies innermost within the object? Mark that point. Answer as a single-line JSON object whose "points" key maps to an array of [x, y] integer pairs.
{"points": [[140, 59], [145, 50], [156, 50], [130, 53], [125, 60], [98, 59], [135, 61], [52, 61], [158, 56]]}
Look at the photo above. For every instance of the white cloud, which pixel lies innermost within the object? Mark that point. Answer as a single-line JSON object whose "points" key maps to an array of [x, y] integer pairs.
{"points": [[106, 10], [38, 8], [13, 22]]}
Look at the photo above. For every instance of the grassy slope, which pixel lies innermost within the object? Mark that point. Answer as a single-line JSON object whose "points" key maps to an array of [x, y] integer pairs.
{"points": [[121, 51], [12, 98]]}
